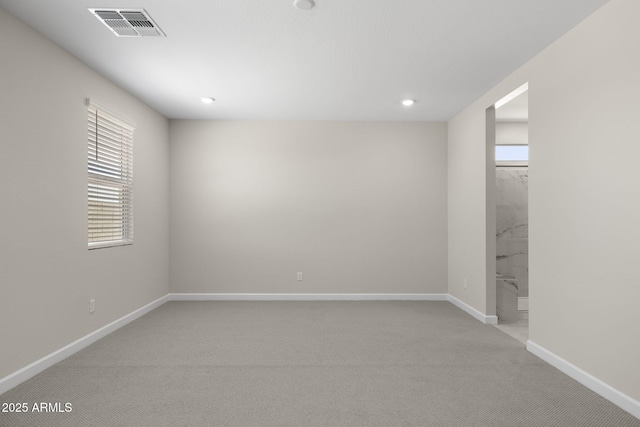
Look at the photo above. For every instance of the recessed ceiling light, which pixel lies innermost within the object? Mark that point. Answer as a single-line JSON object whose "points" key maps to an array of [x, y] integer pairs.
{"points": [[304, 4], [408, 102], [208, 100]]}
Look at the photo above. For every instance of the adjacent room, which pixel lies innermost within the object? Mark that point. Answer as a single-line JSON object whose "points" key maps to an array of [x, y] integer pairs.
{"points": [[319, 212]]}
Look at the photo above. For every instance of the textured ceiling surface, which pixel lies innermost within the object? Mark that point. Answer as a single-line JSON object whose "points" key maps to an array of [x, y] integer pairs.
{"points": [[342, 60]]}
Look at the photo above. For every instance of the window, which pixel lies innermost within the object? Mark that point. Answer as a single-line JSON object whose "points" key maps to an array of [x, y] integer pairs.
{"points": [[110, 186], [512, 155]]}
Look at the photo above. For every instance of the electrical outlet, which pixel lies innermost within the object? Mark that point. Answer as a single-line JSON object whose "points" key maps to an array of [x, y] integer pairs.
{"points": [[465, 283], [299, 276], [92, 305]]}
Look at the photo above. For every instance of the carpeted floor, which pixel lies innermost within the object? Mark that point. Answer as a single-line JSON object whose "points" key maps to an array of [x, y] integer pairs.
{"points": [[309, 364]]}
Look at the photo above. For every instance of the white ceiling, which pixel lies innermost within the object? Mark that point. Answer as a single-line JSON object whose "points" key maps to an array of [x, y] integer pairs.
{"points": [[342, 60], [516, 110]]}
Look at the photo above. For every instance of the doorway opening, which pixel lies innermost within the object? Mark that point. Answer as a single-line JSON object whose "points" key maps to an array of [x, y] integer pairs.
{"points": [[512, 213]]}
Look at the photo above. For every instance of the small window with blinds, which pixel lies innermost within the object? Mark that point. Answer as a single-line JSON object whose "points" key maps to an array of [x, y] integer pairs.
{"points": [[110, 187]]}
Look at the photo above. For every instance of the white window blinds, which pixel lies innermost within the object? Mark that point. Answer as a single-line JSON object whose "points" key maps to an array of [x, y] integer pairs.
{"points": [[110, 185]]}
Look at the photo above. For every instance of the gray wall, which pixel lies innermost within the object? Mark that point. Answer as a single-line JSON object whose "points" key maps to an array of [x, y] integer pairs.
{"points": [[512, 133], [583, 193], [47, 275], [356, 207]]}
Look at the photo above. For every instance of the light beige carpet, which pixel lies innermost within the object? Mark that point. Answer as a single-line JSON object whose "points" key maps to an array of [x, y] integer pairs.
{"points": [[310, 364]]}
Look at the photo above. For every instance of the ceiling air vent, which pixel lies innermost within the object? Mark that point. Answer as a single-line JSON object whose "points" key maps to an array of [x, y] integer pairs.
{"points": [[128, 22]]}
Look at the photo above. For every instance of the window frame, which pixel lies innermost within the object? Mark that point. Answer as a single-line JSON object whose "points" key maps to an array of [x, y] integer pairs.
{"points": [[109, 178], [511, 162]]}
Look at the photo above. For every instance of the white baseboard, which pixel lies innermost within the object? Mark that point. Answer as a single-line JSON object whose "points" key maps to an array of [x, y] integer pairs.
{"points": [[305, 297], [615, 396], [22, 375], [486, 319]]}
